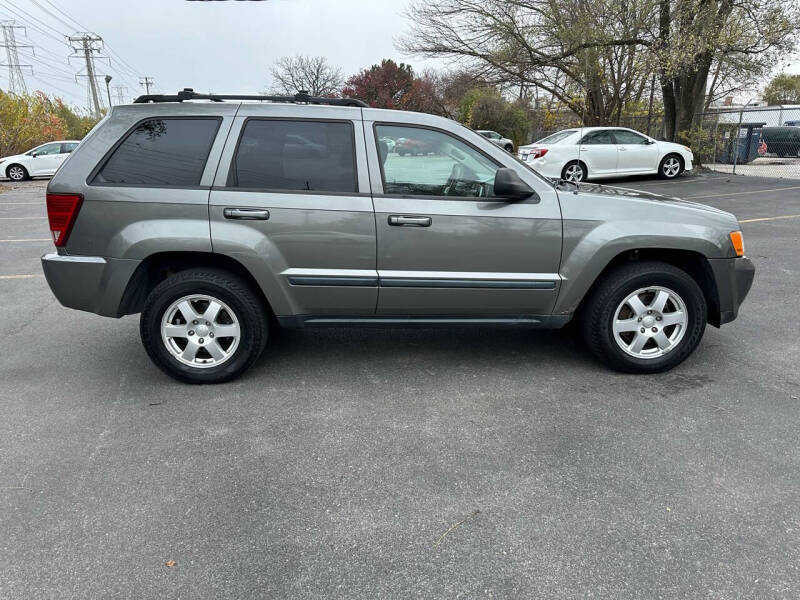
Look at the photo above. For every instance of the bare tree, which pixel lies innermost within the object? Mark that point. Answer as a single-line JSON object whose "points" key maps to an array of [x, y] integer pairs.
{"points": [[314, 74]]}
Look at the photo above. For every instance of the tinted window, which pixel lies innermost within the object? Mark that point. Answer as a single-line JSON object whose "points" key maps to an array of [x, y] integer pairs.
{"points": [[432, 163], [161, 152], [629, 137], [598, 137], [69, 147], [295, 155]]}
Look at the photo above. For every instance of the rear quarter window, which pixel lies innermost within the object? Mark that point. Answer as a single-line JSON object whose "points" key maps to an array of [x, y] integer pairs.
{"points": [[171, 151]]}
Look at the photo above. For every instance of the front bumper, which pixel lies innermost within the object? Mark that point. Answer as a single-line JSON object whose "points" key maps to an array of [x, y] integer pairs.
{"points": [[734, 277], [89, 283]]}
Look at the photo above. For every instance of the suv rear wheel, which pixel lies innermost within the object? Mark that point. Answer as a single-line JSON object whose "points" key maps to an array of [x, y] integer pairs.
{"points": [[203, 326], [644, 317]]}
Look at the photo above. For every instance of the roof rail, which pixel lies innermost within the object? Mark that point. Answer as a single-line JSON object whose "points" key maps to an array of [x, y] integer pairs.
{"points": [[301, 97]]}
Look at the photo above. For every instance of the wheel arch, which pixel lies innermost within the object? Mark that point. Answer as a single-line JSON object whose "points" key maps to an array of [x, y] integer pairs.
{"points": [[695, 264], [16, 164], [581, 163], [161, 265]]}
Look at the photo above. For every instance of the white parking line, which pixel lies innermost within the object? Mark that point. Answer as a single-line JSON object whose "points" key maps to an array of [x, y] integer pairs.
{"points": [[796, 187], [20, 276], [25, 240], [20, 218], [769, 218]]}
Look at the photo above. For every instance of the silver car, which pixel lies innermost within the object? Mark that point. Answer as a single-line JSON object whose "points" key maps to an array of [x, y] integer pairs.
{"points": [[497, 139], [220, 220]]}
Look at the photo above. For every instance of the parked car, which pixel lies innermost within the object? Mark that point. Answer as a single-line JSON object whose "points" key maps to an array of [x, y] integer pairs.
{"points": [[40, 161], [783, 141], [390, 143], [795, 123], [598, 152], [204, 219], [413, 146], [497, 139]]}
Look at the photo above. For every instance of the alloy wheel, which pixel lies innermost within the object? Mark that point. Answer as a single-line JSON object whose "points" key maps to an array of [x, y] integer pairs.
{"points": [[200, 331], [16, 173], [573, 172], [672, 166], [650, 322]]}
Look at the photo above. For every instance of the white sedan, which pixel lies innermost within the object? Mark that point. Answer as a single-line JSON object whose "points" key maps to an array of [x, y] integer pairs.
{"points": [[41, 161], [596, 152]]}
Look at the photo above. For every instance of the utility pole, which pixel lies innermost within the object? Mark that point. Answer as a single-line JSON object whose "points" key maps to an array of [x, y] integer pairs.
{"points": [[88, 46], [120, 91], [146, 82], [16, 82]]}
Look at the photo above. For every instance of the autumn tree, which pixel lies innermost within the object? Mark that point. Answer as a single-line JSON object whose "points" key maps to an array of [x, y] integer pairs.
{"points": [[392, 85], [313, 74], [783, 89]]}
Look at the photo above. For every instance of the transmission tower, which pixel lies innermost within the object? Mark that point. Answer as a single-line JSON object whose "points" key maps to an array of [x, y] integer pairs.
{"points": [[120, 91], [89, 47], [146, 83], [16, 82]]}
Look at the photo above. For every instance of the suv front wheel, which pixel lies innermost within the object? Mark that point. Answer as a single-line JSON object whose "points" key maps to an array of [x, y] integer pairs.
{"points": [[203, 326], [644, 317]]}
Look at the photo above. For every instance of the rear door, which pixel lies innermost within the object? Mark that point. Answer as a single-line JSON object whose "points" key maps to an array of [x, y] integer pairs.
{"points": [[446, 245], [599, 152], [291, 203], [636, 153]]}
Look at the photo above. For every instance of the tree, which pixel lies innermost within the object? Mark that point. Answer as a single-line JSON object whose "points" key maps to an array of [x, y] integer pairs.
{"points": [[694, 34], [581, 53], [783, 89], [597, 58], [27, 120], [485, 108], [392, 85], [312, 74]]}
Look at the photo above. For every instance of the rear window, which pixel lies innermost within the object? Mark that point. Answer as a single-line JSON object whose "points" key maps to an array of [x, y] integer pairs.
{"points": [[556, 137], [161, 152], [283, 154]]}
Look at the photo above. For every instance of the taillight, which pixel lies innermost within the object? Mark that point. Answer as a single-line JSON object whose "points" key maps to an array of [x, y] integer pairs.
{"points": [[62, 210], [538, 152]]}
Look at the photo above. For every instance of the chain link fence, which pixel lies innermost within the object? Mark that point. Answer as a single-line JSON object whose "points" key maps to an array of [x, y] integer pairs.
{"points": [[755, 141]]}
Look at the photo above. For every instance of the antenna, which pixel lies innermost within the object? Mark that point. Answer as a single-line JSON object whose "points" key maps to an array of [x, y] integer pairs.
{"points": [[583, 117]]}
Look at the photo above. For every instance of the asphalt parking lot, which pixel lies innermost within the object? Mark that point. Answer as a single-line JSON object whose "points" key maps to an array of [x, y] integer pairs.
{"points": [[403, 463]]}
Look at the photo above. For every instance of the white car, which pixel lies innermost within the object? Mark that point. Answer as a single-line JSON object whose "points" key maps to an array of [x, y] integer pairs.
{"points": [[595, 152], [497, 139], [41, 161]]}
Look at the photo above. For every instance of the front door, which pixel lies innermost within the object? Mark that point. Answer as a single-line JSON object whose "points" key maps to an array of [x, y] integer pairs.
{"points": [[446, 245], [294, 207], [46, 159], [636, 153]]}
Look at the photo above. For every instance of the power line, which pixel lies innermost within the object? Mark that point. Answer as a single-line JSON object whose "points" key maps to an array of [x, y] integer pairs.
{"points": [[120, 91], [16, 82]]}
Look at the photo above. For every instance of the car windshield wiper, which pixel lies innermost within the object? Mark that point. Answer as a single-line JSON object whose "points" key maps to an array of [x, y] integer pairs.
{"points": [[561, 181]]}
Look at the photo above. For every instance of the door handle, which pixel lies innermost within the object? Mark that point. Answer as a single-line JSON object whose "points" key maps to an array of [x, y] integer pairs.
{"points": [[622, 148], [247, 214], [584, 148], [403, 221]]}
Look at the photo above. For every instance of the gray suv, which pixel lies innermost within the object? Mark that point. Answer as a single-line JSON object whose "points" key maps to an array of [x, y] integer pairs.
{"points": [[218, 220]]}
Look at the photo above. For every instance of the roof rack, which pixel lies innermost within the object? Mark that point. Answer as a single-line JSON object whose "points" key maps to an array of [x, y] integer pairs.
{"points": [[301, 97]]}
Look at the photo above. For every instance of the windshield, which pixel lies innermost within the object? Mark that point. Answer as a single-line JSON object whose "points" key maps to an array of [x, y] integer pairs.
{"points": [[556, 137]]}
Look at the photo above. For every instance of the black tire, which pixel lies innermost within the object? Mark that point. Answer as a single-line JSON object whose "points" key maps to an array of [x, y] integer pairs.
{"points": [[580, 164], [12, 169], [237, 294], [401, 152], [598, 315], [670, 175], [509, 148]]}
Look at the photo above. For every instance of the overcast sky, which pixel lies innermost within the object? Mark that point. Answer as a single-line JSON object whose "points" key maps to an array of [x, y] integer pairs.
{"points": [[220, 46], [225, 46]]}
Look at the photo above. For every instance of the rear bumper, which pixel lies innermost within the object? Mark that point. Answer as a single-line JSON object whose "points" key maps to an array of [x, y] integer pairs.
{"points": [[89, 283], [734, 276]]}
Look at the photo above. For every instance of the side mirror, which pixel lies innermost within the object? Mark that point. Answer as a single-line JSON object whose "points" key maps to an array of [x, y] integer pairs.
{"points": [[507, 184], [650, 142]]}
